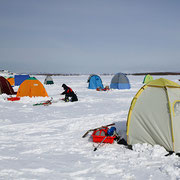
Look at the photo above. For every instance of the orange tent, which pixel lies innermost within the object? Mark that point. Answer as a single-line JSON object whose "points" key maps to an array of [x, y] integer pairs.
{"points": [[11, 80], [31, 87]]}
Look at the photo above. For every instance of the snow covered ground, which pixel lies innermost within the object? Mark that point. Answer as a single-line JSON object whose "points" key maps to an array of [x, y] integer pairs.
{"points": [[45, 142]]}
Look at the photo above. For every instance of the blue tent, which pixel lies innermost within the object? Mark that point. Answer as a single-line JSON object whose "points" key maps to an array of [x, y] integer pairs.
{"points": [[95, 82], [120, 81], [18, 79]]}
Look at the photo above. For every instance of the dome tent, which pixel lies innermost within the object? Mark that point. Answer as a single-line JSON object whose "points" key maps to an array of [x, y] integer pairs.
{"points": [[5, 87], [147, 79], [48, 80], [120, 81], [18, 79], [154, 115], [31, 87], [94, 82]]}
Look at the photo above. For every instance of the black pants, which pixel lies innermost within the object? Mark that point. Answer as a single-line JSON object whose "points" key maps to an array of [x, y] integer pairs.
{"points": [[72, 98]]}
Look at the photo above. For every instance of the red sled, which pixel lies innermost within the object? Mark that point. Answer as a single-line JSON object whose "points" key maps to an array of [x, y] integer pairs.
{"points": [[13, 99], [100, 134]]}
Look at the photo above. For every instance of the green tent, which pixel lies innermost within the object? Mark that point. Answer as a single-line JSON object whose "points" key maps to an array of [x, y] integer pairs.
{"points": [[147, 79]]}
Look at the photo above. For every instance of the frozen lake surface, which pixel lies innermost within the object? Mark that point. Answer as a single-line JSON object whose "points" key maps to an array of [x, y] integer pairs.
{"points": [[45, 142]]}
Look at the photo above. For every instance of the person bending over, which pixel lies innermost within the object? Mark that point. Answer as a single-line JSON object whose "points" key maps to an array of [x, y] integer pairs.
{"points": [[69, 93]]}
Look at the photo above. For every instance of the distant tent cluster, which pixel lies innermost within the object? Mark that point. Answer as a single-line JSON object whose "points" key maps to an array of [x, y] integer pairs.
{"points": [[28, 86], [119, 81], [17, 79]]}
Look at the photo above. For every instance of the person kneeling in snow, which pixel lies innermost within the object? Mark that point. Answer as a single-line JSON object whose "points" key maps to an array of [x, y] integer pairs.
{"points": [[69, 93]]}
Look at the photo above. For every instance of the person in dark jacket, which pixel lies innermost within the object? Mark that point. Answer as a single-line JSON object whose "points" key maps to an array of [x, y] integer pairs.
{"points": [[69, 93]]}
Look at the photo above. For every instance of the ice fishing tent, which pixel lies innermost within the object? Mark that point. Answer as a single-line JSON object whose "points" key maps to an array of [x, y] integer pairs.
{"points": [[120, 81], [94, 82], [154, 115], [11, 80], [5, 87], [18, 79], [48, 80], [31, 87], [147, 79]]}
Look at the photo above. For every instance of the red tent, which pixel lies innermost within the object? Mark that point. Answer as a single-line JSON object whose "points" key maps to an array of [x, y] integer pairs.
{"points": [[5, 87]]}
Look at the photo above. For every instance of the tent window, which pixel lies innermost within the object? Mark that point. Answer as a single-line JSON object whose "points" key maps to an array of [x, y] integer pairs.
{"points": [[97, 133], [177, 108], [103, 133]]}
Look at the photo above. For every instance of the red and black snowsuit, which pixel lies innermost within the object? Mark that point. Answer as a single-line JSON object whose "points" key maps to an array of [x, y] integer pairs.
{"points": [[69, 93]]}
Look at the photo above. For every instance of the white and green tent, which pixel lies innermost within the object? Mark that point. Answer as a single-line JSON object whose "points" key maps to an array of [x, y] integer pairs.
{"points": [[48, 80], [154, 115]]}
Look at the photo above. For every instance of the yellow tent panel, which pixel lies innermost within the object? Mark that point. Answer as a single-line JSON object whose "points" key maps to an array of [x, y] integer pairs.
{"points": [[161, 82]]}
